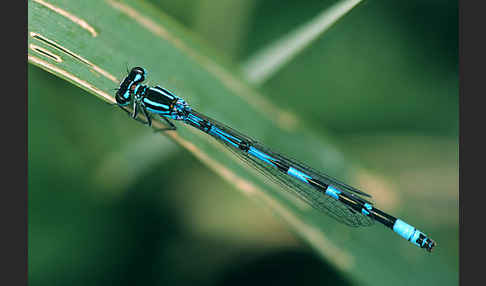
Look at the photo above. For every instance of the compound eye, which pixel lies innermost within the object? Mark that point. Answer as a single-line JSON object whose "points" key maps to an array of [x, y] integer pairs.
{"points": [[138, 70]]}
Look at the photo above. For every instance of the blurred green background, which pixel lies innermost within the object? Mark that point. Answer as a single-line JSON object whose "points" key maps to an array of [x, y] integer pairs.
{"points": [[383, 82]]}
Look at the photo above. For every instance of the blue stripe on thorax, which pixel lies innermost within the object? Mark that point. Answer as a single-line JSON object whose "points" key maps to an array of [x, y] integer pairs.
{"points": [[168, 95], [165, 92], [148, 101], [161, 112]]}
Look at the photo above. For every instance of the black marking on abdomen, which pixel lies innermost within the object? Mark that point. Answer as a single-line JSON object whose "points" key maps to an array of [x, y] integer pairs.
{"points": [[318, 185], [244, 146], [281, 166], [382, 217]]}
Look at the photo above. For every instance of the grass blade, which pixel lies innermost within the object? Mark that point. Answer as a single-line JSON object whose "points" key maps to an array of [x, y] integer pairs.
{"points": [[261, 66]]}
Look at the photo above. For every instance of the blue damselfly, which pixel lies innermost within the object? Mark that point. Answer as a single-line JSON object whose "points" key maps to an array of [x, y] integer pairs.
{"points": [[344, 203]]}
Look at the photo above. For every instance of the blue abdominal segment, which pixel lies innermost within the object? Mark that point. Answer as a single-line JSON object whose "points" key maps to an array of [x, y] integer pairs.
{"points": [[224, 136], [333, 192], [299, 175], [366, 210], [412, 234], [261, 156], [193, 119]]}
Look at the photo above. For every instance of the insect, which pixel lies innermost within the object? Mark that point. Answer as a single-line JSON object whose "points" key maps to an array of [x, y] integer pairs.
{"points": [[342, 202]]}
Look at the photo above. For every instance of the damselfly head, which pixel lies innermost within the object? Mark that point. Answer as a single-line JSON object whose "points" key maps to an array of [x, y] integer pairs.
{"points": [[134, 77]]}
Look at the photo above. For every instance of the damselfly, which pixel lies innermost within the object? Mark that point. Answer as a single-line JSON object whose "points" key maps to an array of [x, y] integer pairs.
{"points": [[344, 203]]}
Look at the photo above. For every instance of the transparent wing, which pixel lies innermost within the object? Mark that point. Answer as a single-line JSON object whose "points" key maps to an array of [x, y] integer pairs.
{"points": [[319, 201], [307, 193], [316, 174], [350, 191]]}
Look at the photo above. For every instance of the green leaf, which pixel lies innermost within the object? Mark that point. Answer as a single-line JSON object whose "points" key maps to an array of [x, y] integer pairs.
{"points": [[91, 43]]}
